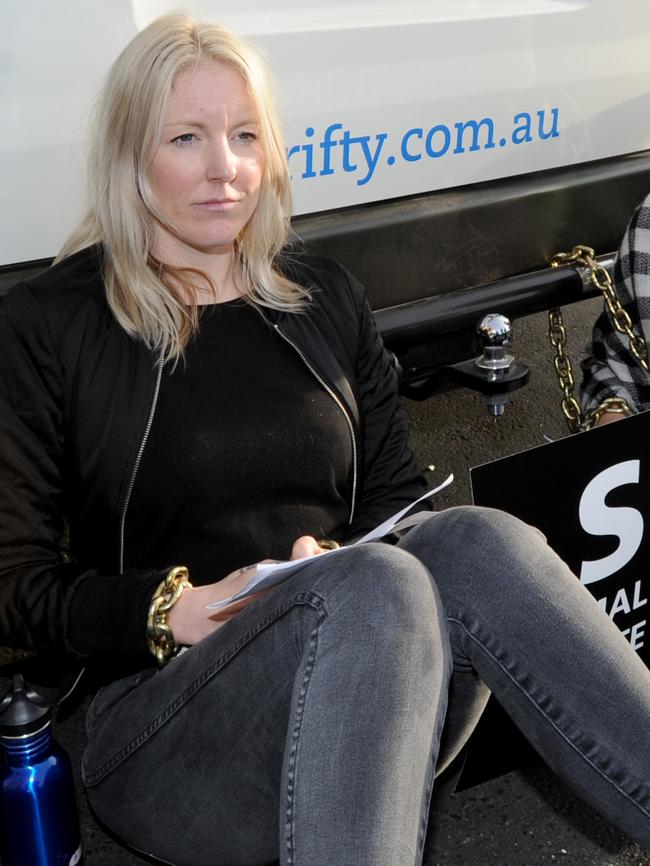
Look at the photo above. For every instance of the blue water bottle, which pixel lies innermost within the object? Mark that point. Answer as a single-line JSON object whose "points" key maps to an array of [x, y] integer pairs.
{"points": [[39, 825]]}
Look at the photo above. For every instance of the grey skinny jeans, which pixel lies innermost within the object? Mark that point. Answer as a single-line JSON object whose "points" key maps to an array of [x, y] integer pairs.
{"points": [[309, 727]]}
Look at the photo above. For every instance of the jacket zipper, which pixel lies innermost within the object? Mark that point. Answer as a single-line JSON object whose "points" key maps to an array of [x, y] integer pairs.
{"points": [[136, 465], [129, 490], [343, 410]]}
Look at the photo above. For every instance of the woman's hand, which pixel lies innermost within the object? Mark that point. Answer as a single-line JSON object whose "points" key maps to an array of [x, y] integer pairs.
{"points": [[306, 545], [190, 619]]}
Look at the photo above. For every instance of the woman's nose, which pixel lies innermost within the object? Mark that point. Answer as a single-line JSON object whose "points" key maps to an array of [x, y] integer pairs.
{"points": [[221, 162]]}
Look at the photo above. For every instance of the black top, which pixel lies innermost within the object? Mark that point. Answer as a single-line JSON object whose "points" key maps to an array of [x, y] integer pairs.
{"points": [[247, 451], [75, 398]]}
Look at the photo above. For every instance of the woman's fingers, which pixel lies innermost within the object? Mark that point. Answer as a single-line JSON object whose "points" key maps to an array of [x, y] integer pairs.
{"points": [[306, 545]]}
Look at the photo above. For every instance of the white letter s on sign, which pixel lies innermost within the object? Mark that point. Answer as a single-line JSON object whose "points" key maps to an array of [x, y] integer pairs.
{"points": [[599, 519]]}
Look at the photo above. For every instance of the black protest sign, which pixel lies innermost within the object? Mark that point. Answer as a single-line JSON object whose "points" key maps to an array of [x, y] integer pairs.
{"points": [[590, 496]]}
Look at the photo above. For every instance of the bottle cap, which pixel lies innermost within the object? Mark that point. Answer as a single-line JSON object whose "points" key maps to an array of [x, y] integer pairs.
{"points": [[23, 710]]}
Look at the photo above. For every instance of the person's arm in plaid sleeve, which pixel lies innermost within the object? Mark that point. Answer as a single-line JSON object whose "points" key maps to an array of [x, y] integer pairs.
{"points": [[609, 368]]}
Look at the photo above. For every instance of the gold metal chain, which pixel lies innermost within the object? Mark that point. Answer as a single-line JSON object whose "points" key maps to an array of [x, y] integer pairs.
{"points": [[159, 634], [564, 369], [599, 276]]}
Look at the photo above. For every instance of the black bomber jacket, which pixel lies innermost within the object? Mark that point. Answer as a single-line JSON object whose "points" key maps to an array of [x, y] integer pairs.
{"points": [[77, 396]]}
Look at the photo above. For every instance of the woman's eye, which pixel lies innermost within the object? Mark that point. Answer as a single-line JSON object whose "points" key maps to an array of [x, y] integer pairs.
{"points": [[185, 138], [247, 136]]}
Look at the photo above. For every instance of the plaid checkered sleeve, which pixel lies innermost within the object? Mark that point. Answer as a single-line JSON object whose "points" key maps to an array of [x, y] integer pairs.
{"points": [[609, 369]]}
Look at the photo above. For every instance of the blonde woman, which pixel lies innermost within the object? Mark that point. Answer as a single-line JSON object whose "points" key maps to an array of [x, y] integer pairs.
{"points": [[180, 397]]}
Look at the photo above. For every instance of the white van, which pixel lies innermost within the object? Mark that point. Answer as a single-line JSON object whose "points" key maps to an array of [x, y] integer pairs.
{"points": [[435, 145]]}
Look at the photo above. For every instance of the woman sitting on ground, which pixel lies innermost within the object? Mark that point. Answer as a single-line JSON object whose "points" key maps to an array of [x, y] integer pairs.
{"points": [[187, 396]]}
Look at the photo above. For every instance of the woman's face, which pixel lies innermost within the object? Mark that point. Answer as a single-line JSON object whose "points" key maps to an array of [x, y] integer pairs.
{"points": [[206, 172]]}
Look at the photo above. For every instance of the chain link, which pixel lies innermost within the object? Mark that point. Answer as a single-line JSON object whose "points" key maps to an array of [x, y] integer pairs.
{"points": [[584, 256], [564, 370], [159, 635]]}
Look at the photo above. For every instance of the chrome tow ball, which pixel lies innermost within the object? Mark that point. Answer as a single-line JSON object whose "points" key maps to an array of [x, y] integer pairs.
{"points": [[494, 373]]}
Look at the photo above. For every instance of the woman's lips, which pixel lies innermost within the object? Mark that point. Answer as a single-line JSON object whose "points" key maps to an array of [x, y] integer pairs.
{"points": [[221, 204]]}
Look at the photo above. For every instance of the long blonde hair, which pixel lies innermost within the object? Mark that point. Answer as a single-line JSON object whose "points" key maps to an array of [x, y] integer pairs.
{"points": [[145, 295]]}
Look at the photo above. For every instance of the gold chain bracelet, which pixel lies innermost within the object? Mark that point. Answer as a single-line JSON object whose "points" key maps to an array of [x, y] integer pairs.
{"points": [[159, 635]]}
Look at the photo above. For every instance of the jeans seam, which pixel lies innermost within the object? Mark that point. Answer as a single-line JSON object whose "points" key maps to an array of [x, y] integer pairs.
{"points": [[545, 715], [303, 598], [289, 821], [426, 800]]}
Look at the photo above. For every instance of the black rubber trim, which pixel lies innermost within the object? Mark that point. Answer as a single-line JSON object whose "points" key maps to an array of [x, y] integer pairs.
{"points": [[437, 243]]}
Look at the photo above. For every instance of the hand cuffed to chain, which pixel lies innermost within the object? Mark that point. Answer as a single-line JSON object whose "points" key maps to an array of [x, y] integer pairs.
{"points": [[609, 406]]}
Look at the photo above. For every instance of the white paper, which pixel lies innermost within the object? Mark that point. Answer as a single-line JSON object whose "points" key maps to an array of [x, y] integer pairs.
{"points": [[268, 574]]}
